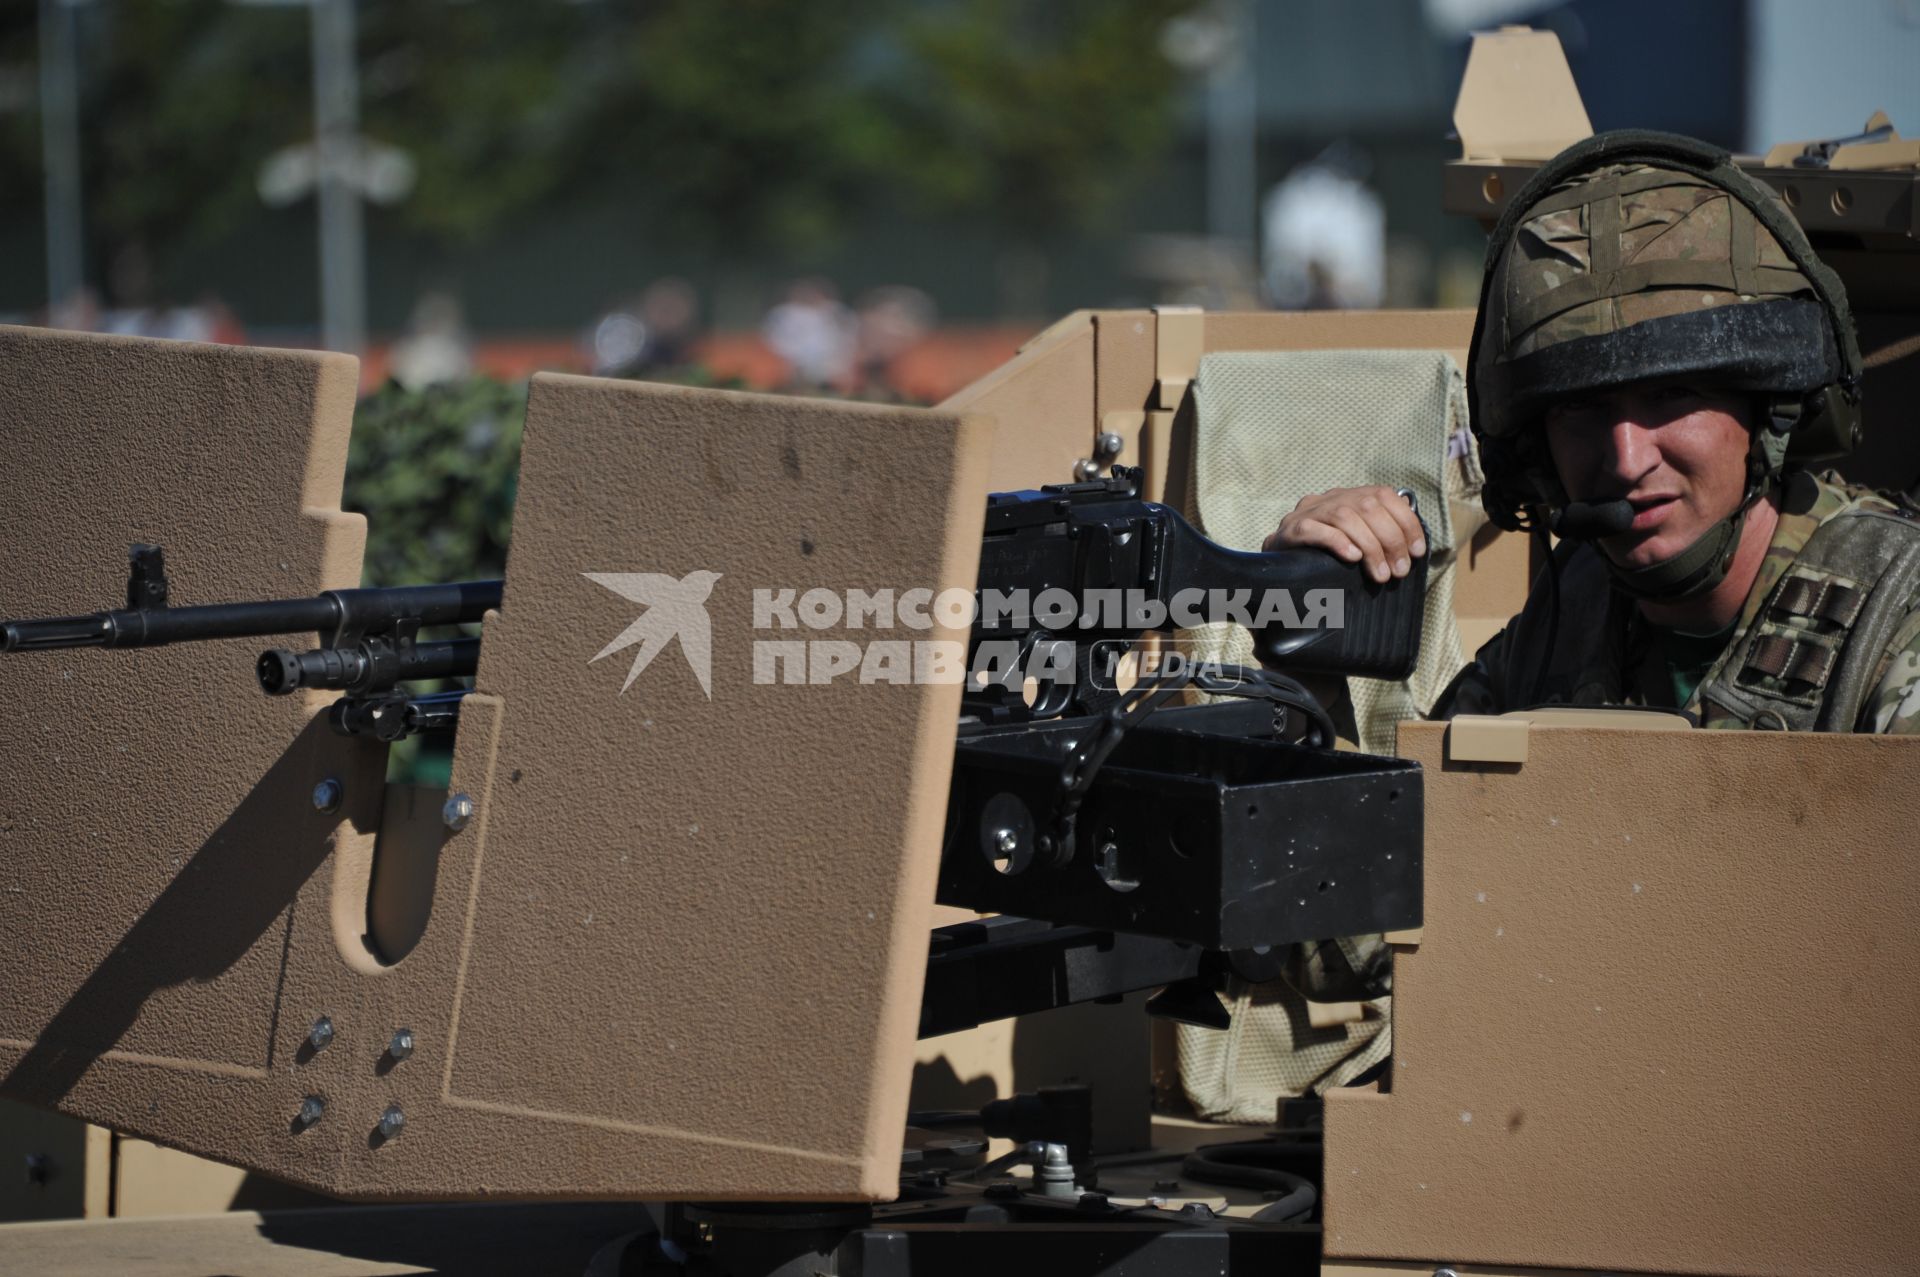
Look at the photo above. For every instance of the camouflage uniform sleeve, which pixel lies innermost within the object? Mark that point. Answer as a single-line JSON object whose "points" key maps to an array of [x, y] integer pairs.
{"points": [[1893, 708]]}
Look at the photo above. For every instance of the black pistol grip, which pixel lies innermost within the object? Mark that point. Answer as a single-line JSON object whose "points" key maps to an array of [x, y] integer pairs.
{"points": [[1373, 632]]}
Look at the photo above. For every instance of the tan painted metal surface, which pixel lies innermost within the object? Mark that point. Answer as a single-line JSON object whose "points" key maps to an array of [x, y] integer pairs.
{"points": [[1446, 330], [51, 1166], [1663, 975], [1041, 402], [1517, 98], [659, 988], [157, 843], [1336, 1268], [692, 963], [151, 1181]]}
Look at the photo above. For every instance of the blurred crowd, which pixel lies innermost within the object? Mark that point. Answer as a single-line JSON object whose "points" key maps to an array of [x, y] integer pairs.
{"points": [[1323, 245], [822, 343], [137, 309], [809, 340]]}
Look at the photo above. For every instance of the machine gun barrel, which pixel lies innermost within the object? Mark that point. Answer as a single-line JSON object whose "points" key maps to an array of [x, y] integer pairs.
{"points": [[153, 627], [351, 669], [331, 612]]}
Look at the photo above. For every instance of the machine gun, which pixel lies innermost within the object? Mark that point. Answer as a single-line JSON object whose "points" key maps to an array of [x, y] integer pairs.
{"points": [[1229, 829], [1127, 843], [369, 641], [1234, 827]]}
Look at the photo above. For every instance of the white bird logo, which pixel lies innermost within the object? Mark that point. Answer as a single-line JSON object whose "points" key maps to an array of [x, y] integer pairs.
{"points": [[674, 609]]}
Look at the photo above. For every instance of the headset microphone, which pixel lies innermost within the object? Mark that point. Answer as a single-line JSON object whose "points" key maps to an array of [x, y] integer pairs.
{"points": [[1590, 520]]}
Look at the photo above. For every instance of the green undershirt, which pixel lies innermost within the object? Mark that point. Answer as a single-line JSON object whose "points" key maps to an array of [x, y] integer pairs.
{"points": [[1687, 657]]}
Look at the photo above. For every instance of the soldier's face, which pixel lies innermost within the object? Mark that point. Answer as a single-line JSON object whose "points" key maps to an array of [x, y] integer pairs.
{"points": [[1678, 454]]}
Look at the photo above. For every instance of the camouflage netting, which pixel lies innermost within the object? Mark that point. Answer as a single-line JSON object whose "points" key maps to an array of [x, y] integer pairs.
{"points": [[1274, 426], [1271, 427], [1273, 1049]]}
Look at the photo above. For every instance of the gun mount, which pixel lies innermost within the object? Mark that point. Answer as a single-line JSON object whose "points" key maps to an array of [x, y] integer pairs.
{"points": [[1246, 838]]}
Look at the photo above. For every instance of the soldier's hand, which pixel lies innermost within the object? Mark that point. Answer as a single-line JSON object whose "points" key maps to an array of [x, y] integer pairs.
{"points": [[1375, 526]]}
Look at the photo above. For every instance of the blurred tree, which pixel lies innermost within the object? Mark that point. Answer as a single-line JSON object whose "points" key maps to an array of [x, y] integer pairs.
{"points": [[755, 126], [179, 103], [434, 471], [502, 106], [1034, 116], [753, 120], [742, 120], [1038, 113]]}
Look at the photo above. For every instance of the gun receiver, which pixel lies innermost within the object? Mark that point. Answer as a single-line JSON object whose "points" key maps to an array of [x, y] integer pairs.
{"points": [[1094, 565], [1204, 824]]}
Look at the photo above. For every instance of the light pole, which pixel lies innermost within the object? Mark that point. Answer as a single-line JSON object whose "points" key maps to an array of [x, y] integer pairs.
{"points": [[1232, 143], [1217, 42], [330, 165], [60, 150], [336, 119]]}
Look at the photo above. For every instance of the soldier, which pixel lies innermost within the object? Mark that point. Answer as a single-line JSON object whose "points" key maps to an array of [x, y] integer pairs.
{"points": [[1657, 354]]}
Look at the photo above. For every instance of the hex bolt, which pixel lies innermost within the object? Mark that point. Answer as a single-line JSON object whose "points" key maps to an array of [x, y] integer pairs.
{"points": [[457, 812], [312, 1109], [327, 795], [1005, 841], [1108, 445], [320, 1034], [1445, 1272], [1052, 1171], [392, 1122], [1085, 470], [401, 1045]]}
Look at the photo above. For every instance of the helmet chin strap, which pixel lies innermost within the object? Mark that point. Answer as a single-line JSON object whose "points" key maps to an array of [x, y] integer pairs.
{"points": [[1690, 573]]}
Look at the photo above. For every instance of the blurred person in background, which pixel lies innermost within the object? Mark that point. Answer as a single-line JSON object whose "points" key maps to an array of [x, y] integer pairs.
{"points": [[893, 320], [436, 347], [137, 310], [220, 322], [78, 311], [642, 335], [671, 311], [1324, 236], [815, 333]]}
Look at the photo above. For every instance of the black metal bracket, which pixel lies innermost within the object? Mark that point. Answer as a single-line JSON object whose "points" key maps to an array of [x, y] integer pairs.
{"points": [[1200, 827], [1005, 966], [392, 715], [146, 576]]}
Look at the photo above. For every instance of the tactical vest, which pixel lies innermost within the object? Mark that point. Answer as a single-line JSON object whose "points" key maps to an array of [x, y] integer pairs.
{"points": [[1807, 661]]}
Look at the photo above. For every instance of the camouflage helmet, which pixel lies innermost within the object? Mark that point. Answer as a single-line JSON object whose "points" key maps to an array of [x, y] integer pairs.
{"points": [[1636, 258]]}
